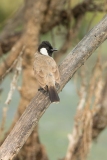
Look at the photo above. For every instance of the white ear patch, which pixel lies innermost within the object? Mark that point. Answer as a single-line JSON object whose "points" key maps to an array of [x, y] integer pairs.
{"points": [[44, 51]]}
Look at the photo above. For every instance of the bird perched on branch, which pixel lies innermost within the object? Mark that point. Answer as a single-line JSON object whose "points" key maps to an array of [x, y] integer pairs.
{"points": [[46, 70]]}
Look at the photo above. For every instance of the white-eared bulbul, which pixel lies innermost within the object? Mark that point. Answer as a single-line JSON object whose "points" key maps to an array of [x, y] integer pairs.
{"points": [[46, 70]]}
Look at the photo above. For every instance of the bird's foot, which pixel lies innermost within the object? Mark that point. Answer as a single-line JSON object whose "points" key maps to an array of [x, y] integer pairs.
{"points": [[57, 86], [42, 90]]}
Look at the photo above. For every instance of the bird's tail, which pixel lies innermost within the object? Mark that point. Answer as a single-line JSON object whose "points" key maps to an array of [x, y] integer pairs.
{"points": [[53, 95]]}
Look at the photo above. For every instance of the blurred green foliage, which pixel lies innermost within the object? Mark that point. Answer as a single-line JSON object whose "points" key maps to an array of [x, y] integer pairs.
{"points": [[7, 9]]}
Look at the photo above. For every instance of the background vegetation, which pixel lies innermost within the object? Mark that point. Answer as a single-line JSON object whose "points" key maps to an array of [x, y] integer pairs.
{"points": [[73, 19]]}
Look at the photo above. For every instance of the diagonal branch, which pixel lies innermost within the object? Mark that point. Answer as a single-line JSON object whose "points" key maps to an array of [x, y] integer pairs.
{"points": [[40, 102], [15, 51]]}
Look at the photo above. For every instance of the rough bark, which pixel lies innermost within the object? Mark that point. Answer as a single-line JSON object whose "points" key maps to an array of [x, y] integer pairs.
{"points": [[40, 102], [100, 118], [89, 107]]}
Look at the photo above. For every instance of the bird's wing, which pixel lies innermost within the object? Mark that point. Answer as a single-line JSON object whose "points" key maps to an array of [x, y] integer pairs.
{"points": [[39, 71], [54, 70], [44, 66]]}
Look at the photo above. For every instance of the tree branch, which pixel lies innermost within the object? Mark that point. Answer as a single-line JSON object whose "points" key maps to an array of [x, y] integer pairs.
{"points": [[8, 36], [100, 118], [15, 51], [40, 102], [8, 42]]}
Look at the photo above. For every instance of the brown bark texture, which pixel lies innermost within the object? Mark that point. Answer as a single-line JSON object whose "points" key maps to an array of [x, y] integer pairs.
{"points": [[38, 17], [40, 102]]}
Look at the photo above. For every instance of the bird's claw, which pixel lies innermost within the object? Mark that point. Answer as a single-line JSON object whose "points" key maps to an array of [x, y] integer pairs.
{"points": [[42, 90]]}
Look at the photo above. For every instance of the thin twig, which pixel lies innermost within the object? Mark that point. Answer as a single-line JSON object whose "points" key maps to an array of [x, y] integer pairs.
{"points": [[13, 64], [10, 94]]}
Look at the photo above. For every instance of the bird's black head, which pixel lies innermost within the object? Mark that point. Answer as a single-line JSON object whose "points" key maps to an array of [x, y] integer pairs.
{"points": [[45, 48]]}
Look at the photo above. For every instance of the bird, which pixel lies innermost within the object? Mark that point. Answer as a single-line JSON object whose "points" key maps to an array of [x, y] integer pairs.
{"points": [[46, 70]]}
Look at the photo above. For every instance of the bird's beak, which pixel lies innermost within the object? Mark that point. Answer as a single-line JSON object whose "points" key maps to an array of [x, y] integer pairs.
{"points": [[54, 49]]}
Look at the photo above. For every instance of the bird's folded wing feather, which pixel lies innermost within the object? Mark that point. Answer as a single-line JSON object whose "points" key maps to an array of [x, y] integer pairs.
{"points": [[44, 66]]}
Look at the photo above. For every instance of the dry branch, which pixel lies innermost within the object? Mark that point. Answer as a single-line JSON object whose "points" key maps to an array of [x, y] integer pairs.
{"points": [[10, 59], [81, 138], [13, 84], [77, 132], [10, 94], [8, 36], [40, 102], [8, 42], [100, 117], [12, 23], [71, 34]]}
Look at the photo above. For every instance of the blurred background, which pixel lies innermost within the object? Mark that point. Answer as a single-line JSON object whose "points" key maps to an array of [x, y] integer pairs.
{"points": [[64, 24]]}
